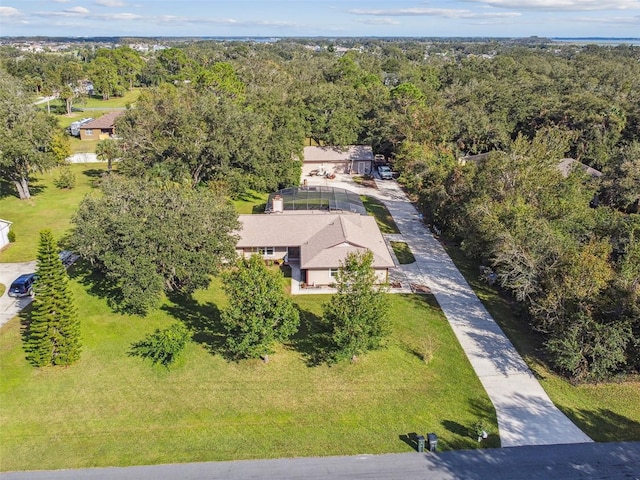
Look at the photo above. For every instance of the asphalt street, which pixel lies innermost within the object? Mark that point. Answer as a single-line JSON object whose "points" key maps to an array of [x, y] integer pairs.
{"points": [[593, 461]]}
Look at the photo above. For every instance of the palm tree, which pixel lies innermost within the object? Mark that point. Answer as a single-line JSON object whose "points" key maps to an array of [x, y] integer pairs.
{"points": [[107, 150]]}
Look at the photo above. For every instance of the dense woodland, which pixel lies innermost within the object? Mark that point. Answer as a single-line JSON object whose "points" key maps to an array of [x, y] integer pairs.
{"points": [[234, 115]]}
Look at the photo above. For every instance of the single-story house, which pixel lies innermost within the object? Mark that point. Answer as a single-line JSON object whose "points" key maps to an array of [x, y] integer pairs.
{"points": [[101, 128], [317, 242], [5, 225], [349, 159]]}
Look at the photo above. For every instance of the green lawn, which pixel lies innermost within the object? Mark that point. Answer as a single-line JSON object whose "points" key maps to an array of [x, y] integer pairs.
{"points": [[403, 252], [383, 217], [96, 101], [112, 409], [49, 207], [606, 412], [251, 202]]}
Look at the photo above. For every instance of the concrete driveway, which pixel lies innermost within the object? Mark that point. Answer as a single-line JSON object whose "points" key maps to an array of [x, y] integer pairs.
{"points": [[526, 415], [9, 306]]}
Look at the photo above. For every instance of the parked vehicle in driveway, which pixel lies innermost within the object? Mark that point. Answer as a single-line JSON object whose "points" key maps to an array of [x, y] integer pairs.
{"points": [[385, 172], [22, 286]]}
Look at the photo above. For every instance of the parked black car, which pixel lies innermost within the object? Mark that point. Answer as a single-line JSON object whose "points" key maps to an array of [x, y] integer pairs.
{"points": [[23, 285]]}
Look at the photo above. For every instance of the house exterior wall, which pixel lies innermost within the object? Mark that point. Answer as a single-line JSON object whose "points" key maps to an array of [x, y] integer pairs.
{"points": [[89, 134], [278, 252], [359, 166], [96, 133], [323, 276], [4, 233]]}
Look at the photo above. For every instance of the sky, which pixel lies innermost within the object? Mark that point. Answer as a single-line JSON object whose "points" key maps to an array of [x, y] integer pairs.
{"points": [[332, 18]]}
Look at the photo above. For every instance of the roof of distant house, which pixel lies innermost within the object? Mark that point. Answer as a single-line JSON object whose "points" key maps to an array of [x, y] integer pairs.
{"points": [[338, 154], [105, 121], [567, 164], [324, 240]]}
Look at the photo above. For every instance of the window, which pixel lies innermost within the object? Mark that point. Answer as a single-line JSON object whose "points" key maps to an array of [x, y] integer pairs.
{"points": [[266, 251], [88, 131], [333, 272]]}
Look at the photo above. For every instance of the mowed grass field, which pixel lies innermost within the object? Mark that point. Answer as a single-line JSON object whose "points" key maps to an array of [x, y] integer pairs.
{"points": [[112, 409], [49, 207]]}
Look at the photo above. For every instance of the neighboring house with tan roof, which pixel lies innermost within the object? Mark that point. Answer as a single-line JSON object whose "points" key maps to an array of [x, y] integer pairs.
{"points": [[317, 241], [100, 128], [347, 159]]}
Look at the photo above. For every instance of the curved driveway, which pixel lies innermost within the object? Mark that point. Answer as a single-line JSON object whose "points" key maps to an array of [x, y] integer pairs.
{"points": [[526, 415]]}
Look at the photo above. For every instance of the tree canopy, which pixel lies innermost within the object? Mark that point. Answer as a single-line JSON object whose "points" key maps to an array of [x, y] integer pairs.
{"points": [[53, 333], [149, 237], [259, 312], [26, 136], [356, 314]]}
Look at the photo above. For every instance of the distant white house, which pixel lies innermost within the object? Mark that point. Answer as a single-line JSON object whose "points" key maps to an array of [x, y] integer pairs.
{"points": [[5, 225], [349, 159]]}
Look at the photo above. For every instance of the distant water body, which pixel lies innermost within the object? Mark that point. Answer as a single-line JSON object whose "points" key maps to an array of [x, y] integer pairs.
{"points": [[598, 40]]}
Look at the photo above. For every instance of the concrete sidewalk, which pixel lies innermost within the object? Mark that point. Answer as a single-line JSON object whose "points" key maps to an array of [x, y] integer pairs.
{"points": [[526, 415]]}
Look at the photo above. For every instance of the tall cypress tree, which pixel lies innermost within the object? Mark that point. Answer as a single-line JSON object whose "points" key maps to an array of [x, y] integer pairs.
{"points": [[53, 336]]}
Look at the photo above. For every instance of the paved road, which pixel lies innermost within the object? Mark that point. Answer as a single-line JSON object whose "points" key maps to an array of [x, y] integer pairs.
{"points": [[10, 307], [611, 461], [526, 415]]}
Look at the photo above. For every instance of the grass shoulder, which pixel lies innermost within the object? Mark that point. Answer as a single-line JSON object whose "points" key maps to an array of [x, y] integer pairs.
{"points": [[403, 252], [383, 218]]}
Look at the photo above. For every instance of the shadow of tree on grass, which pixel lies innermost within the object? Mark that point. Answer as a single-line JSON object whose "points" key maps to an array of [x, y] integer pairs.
{"points": [[312, 339], [203, 320]]}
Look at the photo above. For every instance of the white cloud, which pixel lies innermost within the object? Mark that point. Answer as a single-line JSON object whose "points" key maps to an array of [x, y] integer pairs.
{"points": [[119, 16], [61, 1], [434, 12], [379, 21], [562, 5], [7, 12], [613, 21], [77, 10], [69, 12], [110, 3]]}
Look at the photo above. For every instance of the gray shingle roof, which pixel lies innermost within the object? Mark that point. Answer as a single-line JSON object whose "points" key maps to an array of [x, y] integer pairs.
{"points": [[324, 239], [338, 154]]}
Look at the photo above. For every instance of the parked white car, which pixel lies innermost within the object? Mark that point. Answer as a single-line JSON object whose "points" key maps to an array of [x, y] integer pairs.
{"points": [[385, 172]]}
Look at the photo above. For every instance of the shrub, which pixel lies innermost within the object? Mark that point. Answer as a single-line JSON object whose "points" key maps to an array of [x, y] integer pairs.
{"points": [[11, 235], [162, 346], [66, 179]]}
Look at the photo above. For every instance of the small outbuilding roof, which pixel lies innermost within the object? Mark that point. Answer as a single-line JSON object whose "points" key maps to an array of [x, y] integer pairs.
{"points": [[338, 154]]}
